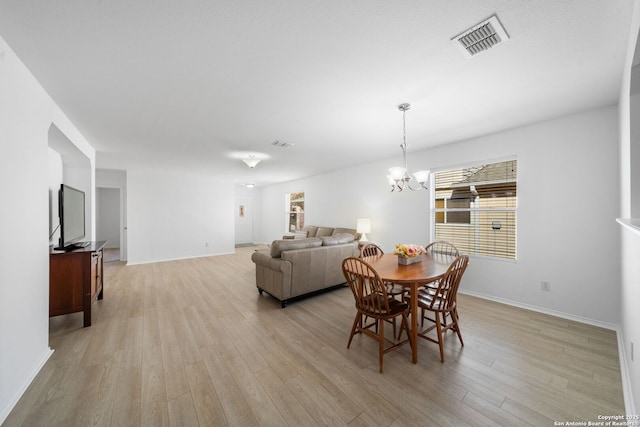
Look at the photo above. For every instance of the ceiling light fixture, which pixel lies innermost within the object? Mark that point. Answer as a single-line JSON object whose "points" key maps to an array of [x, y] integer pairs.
{"points": [[250, 185], [251, 161], [399, 177]]}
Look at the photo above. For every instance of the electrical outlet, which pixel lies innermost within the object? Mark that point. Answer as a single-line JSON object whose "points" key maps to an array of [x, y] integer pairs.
{"points": [[545, 286], [206, 245]]}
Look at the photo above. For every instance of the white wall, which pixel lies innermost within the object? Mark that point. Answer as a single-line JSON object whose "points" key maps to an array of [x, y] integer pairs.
{"points": [[567, 176], [629, 175], [631, 314], [339, 198], [55, 179], [26, 115], [172, 215]]}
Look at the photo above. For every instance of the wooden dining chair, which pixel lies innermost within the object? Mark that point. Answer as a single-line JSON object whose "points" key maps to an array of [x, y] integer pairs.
{"points": [[393, 289], [373, 302], [441, 302], [370, 249], [443, 251], [442, 248]]}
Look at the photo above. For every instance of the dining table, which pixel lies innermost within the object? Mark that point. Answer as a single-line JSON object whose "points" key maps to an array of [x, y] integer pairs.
{"points": [[411, 277]]}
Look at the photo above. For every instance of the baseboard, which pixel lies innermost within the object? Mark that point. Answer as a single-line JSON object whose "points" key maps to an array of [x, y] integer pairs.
{"points": [[579, 319], [627, 390], [8, 407]]}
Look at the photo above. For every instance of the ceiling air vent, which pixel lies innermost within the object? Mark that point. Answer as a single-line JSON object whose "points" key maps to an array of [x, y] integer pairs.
{"points": [[281, 144], [481, 37]]}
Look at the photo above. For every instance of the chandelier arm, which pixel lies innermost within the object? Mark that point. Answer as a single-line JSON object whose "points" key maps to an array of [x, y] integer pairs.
{"points": [[398, 185], [421, 187]]}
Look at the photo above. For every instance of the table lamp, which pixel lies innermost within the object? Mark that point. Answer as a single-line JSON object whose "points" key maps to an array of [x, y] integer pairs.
{"points": [[363, 227]]}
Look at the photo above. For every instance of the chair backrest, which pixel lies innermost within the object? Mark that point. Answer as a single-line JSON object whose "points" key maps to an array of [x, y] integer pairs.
{"points": [[371, 249], [442, 248], [445, 296], [367, 287]]}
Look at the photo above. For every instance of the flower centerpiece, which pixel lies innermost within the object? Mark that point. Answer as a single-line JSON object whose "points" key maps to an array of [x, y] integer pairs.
{"points": [[408, 254]]}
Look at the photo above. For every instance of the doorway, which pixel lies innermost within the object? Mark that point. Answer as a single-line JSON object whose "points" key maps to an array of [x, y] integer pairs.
{"points": [[244, 221], [109, 224]]}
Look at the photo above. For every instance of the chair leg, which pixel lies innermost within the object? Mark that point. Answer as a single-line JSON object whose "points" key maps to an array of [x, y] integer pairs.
{"points": [[405, 326], [381, 345], [394, 327], [356, 321], [439, 331], [456, 327]]}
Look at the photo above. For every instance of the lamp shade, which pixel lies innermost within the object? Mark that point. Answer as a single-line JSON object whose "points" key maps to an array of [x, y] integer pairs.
{"points": [[421, 176], [397, 173], [363, 227]]}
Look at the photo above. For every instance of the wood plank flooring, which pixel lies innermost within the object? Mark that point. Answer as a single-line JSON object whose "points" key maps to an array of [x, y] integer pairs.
{"points": [[192, 343]]}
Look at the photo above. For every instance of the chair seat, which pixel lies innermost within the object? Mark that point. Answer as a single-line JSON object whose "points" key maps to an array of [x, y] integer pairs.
{"points": [[435, 304], [395, 306]]}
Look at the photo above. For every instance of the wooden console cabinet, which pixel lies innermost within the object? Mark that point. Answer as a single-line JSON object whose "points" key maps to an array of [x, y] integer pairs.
{"points": [[75, 280]]}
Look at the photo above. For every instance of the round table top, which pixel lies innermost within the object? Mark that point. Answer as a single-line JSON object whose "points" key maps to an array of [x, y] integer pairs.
{"points": [[429, 270]]}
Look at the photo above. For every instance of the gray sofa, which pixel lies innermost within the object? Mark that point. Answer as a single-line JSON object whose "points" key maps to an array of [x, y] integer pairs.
{"points": [[297, 267], [319, 231]]}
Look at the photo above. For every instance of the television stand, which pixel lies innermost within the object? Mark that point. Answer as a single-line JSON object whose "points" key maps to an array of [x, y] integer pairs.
{"points": [[75, 279]]}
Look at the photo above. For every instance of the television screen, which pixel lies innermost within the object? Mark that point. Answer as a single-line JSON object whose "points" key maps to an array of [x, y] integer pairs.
{"points": [[71, 216]]}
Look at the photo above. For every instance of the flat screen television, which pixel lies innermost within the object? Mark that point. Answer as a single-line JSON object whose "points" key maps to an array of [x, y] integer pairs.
{"points": [[72, 221]]}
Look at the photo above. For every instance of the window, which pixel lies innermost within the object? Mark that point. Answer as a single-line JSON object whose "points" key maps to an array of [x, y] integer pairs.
{"points": [[295, 211], [475, 208]]}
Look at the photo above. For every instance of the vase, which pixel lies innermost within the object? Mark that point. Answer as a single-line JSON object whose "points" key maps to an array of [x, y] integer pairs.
{"points": [[409, 260]]}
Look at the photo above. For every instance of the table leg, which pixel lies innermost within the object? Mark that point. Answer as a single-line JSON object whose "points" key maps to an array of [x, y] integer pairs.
{"points": [[414, 323]]}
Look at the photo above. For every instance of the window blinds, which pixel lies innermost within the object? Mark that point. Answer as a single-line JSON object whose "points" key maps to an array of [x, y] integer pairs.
{"points": [[475, 208]]}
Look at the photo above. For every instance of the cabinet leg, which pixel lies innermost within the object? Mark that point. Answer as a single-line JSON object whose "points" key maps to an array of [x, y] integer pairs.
{"points": [[87, 317]]}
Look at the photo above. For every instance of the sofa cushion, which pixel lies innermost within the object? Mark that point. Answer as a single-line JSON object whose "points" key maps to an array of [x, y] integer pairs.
{"points": [[311, 230], [337, 239], [324, 231], [278, 246], [295, 235], [346, 230]]}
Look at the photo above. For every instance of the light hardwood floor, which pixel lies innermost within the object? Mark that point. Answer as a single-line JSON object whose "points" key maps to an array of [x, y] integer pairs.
{"points": [[191, 343]]}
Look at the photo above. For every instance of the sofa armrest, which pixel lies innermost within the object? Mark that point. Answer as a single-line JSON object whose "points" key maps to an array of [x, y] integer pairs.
{"points": [[264, 259], [272, 274]]}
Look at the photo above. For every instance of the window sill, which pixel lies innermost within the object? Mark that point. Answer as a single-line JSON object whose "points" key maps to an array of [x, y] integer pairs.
{"points": [[632, 224]]}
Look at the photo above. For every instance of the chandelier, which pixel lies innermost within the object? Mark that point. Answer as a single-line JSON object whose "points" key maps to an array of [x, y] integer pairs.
{"points": [[399, 177]]}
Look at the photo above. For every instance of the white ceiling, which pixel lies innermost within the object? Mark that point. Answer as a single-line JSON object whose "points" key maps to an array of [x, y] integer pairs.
{"points": [[197, 84]]}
